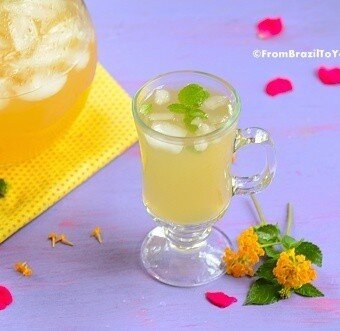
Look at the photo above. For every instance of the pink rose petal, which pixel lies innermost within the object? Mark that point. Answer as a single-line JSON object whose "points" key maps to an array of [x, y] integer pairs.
{"points": [[269, 27], [278, 85], [329, 76], [220, 299], [5, 297]]}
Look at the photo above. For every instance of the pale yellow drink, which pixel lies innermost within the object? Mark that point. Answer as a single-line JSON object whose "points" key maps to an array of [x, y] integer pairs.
{"points": [[48, 53], [186, 180]]}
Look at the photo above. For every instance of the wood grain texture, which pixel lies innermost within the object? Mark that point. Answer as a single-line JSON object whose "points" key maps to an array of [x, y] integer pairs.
{"points": [[97, 287]]}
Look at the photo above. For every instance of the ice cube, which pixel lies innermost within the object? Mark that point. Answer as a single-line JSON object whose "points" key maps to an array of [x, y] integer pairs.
{"points": [[204, 128], [197, 121], [41, 86], [214, 102], [82, 60], [23, 32], [162, 97], [37, 10], [161, 117], [201, 145], [39, 59], [169, 130]]}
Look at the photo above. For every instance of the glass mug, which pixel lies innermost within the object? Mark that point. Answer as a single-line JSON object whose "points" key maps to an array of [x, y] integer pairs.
{"points": [[48, 59], [187, 192]]}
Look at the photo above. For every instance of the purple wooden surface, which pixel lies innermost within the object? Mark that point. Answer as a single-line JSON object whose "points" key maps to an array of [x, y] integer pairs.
{"points": [[94, 286]]}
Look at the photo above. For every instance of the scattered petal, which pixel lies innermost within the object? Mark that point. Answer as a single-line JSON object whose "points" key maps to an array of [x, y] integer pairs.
{"points": [[269, 27], [220, 299], [54, 238], [97, 233], [278, 85], [329, 76], [23, 268], [63, 239], [5, 297]]}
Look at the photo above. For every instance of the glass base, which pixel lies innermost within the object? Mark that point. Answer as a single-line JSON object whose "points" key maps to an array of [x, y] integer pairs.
{"points": [[184, 256]]}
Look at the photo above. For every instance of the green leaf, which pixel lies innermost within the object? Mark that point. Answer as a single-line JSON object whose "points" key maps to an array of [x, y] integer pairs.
{"points": [[191, 127], [289, 242], [3, 188], [262, 292], [310, 251], [145, 109], [267, 233], [308, 290], [197, 113], [266, 270], [272, 252], [178, 108], [193, 95]]}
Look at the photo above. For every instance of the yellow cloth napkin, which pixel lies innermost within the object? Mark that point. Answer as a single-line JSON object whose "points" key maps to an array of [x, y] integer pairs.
{"points": [[103, 131]]}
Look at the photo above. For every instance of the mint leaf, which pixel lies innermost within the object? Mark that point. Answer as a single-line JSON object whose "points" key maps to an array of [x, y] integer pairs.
{"points": [[267, 233], [308, 290], [197, 113], [262, 292], [187, 121], [193, 95], [178, 108], [3, 188], [266, 270], [310, 251], [145, 109]]}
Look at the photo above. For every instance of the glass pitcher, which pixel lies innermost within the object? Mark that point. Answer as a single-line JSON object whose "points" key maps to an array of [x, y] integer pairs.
{"points": [[47, 63]]}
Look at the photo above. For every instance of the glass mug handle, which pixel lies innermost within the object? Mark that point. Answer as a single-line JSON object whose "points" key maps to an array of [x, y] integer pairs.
{"points": [[258, 182]]}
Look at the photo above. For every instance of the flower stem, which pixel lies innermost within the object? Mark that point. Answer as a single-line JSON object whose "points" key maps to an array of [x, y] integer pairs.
{"points": [[289, 218], [270, 244], [258, 209]]}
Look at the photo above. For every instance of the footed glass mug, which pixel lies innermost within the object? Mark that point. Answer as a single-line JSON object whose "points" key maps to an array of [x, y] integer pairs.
{"points": [[48, 59], [186, 191]]}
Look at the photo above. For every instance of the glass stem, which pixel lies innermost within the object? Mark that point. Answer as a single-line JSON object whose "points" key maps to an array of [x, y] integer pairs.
{"points": [[187, 237]]}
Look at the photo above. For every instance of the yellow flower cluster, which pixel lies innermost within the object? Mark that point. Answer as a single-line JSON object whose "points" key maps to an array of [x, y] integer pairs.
{"points": [[241, 263], [292, 271]]}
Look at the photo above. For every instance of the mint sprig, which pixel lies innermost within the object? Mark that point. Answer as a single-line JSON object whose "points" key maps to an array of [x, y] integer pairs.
{"points": [[3, 188], [193, 95], [190, 98]]}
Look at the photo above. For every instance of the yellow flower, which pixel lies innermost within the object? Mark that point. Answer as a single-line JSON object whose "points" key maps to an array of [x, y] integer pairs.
{"points": [[248, 239], [241, 263], [292, 271]]}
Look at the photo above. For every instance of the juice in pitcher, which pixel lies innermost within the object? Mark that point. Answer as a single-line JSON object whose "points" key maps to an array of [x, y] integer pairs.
{"points": [[47, 63]]}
